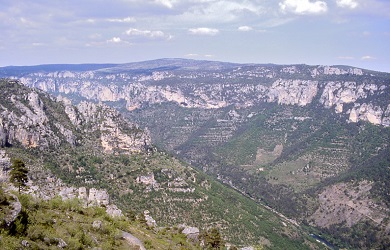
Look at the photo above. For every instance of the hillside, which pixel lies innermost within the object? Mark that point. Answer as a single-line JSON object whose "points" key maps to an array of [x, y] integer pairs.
{"points": [[290, 136], [58, 224], [92, 146]]}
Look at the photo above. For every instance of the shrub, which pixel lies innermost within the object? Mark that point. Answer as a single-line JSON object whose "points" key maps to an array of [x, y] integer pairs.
{"points": [[3, 197]]}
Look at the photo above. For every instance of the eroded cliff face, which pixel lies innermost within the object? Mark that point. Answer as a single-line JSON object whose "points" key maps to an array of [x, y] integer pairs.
{"points": [[241, 85], [23, 120], [337, 94], [116, 134], [349, 203], [34, 120]]}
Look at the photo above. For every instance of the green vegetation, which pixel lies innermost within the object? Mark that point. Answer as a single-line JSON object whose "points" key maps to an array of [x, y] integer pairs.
{"points": [[18, 174], [212, 239], [54, 224], [319, 149], [209, 205], [3, 197]]}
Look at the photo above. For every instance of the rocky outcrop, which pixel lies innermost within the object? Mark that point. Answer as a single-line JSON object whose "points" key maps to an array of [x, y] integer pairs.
{"points": [[367, 112], [116, 133], [149, 181], [349, 203], [98, 197], [14, 209], [213, 88], [192, 233], [51, 187], [113, 211], [293, 92], [338, 94], [24, 121], [386, 117], [5, 164], [133, 241], [91, 197], [32, 119], [149, 219]]}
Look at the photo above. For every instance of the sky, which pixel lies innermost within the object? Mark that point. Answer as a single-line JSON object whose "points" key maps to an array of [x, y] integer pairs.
{"points": [[314, 32]]}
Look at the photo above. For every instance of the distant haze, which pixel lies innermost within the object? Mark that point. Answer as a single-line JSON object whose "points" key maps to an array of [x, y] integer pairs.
{"points": [[325, 32]]}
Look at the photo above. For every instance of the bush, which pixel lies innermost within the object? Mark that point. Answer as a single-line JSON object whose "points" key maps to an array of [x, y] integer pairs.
{"points": [[3, 197]]}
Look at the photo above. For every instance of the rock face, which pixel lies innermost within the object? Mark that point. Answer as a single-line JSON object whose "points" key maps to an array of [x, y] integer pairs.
{"points": [[293, 92], [148, 181], [133, 241], [202, 86], [15, 208], [368, 112], [23, 119], [91, 197], [192, 233], [349, 203], [34, 120], [5, 164], [98, 197], [149, 219], [113, 211], [116, 133]]}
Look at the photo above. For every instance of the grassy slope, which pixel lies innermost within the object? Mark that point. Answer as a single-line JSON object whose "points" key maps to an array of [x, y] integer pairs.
{"points": [[43, 223], [241, 220]]}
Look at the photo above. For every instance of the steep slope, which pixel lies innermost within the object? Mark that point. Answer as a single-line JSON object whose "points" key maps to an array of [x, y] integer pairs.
{"points": [[34, 120], [92, 146], [284, 134], [58, 224]]}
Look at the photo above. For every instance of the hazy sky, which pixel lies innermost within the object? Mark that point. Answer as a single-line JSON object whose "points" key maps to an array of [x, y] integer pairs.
{"points": [[326, 32]]}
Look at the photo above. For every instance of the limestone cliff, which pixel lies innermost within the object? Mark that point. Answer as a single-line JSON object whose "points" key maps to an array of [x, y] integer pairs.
{"points": [[116, 133], [209, 87], [34, 120]]}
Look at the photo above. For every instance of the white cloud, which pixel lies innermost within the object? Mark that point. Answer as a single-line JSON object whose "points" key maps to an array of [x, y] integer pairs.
{"points": [[352, 4], [204, 31], [365, 58], [245, 28], [121, 20], [222, 11], [148, 33], [303, 7], [194, 55], [166, 3], [191, 55], [114, 40]]}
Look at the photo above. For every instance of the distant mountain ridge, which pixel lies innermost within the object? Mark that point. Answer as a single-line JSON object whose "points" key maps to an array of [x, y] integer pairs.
{"points": [[208, 84]]}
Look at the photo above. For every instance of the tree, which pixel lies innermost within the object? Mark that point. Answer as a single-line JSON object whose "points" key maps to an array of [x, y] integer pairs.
{"points": [[3, 197], [212, 239], [18, 174]]}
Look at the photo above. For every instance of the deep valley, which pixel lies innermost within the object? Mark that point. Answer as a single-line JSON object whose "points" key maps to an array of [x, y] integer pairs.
{"points": [[265, 153]]}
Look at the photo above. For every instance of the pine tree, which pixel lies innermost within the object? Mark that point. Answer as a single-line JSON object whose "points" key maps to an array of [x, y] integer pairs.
{"points": [[3, 197], [212, 239], [18, 174]]}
